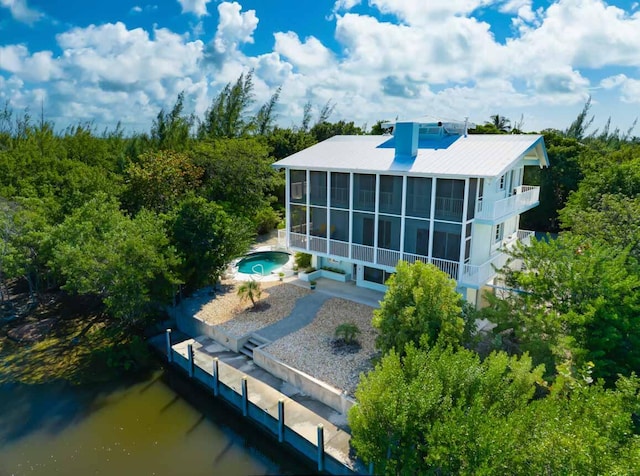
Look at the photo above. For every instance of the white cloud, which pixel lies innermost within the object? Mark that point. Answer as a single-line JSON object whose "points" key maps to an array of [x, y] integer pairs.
{"points": [[440, 59], [629, 87], [310, 54], [136, 9], [38, 67], [197, 7], [234, 28], [345, 5], [20, 11]]}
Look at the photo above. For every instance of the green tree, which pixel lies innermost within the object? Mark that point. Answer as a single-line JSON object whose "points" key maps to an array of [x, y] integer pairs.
{"points": [[500, 123], [100, 251], [420, 301], [556, 181], [238, 174], [172, 131], [228, 115], [577, 301], [158, 180], [250, 290], [207, 239], [444, 411]]}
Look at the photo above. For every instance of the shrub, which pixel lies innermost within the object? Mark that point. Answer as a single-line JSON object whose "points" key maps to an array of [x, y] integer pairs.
{"points": [[348, 332], [334, 270], [303, 260], [266, 219], [310, 269]]}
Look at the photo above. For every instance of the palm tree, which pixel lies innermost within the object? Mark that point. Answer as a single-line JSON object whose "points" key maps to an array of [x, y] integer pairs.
{"points": [[500, 122], [250, 290]]}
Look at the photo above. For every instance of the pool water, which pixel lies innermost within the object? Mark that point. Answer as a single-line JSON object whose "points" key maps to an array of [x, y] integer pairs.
{"points": [[262, 262]]}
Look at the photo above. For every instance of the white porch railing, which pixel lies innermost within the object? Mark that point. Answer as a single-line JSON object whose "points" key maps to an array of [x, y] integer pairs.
{"points": [[449, 267], [411, 258], [477, 276], [339, 248], [388, 257], [318, 244], [525, 198], [362, 253], [298, 240]]}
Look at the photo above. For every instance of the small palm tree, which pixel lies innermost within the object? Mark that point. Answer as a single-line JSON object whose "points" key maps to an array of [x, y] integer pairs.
{"points": [[500, 122], [250, 290]]}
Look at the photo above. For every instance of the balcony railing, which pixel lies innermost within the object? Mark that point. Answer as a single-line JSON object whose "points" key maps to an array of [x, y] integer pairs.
{"points": [[469, 275], [339, 248], [362, 253], [388, 257], [476, 276], [317, 244], [526, 197], [298, 240]]}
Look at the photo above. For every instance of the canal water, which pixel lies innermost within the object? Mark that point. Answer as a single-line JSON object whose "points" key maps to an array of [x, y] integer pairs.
{"points": [[160, 425]]}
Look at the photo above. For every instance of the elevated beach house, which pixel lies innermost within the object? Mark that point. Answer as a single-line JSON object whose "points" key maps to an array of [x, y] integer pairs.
{"points": [[428, 192]]}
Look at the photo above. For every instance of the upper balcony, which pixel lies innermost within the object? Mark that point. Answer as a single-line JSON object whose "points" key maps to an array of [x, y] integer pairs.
{"points": [[525, 198], [476, 276]]}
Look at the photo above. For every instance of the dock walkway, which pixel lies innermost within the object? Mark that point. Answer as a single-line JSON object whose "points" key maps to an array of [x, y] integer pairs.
{"points": [[305, 422]]}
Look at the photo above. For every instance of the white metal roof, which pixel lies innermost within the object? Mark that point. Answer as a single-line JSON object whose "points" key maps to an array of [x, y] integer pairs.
{"points": [[471, 156]]}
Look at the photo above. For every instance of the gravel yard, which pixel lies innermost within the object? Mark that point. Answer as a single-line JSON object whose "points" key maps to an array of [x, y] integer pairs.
{"points": [[238, 317], [310, 349]]}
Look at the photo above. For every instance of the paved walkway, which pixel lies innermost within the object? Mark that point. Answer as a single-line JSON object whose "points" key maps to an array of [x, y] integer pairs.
{"points": [[302, 314]]}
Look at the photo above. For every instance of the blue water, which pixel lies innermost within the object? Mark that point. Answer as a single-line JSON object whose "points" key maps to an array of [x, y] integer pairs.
{"points": [[262, 262]]}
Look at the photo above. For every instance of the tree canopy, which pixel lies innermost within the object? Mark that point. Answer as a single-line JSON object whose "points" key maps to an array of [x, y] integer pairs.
{"points": [[420, 301]]}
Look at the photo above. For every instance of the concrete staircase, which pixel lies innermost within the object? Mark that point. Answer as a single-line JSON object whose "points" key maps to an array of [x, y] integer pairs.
{"points": [[253, 342]]}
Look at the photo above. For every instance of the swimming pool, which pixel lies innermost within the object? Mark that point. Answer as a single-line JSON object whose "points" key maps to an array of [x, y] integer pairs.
{"points": [[263, 262]]}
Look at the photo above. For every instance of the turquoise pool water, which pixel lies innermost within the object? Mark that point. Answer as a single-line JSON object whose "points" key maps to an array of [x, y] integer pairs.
{"points": [[262, 262]]}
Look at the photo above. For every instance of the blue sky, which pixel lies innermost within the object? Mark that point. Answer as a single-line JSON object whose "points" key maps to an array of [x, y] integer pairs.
{"points": [[124, 60]]}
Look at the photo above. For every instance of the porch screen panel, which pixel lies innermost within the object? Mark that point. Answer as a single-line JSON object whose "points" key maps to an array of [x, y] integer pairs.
{"points": [[298, 186], [318, 188], [318, 222], [298, 219], [449, 199], [416, 237], [418, 197], [364, 194], [363, 228], [339, 190], [446, 241], [339, 225], [390, 194]]}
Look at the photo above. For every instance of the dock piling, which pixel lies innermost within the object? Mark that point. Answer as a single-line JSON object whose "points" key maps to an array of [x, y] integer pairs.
{"points": [[245, 397], [190, 358], [281, 420], [168, 336], [320, 447], [216, 377]]}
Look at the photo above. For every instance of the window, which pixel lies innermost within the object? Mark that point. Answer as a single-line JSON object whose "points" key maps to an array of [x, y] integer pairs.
{"points": [[498, 233], [375, 275], [501, 183]]}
